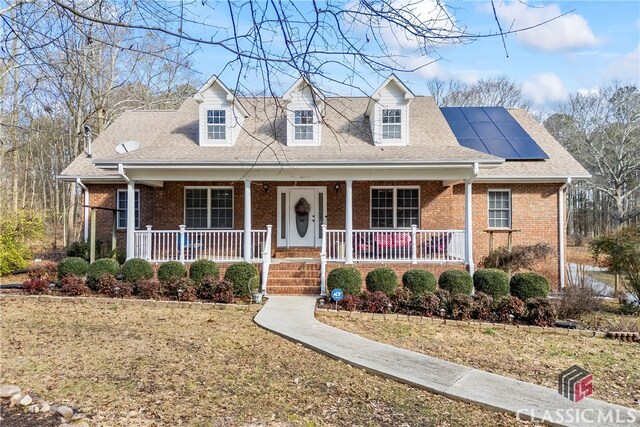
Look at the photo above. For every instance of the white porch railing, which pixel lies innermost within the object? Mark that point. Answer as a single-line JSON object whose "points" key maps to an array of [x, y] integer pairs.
{"points": [[190, 245]]}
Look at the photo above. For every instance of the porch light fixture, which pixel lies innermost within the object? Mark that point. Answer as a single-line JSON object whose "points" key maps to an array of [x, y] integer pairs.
{"points": [[336, 187], [265, 187]]}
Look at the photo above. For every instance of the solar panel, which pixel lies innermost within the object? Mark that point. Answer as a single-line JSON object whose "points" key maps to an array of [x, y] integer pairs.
{"points": [[492, 130]]}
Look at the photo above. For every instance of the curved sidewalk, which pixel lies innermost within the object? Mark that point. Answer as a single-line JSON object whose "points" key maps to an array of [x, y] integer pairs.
{"points": [[293, 318]]}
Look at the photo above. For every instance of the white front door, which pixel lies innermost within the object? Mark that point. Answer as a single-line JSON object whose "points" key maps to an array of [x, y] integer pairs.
{"points": [[301, 211]]}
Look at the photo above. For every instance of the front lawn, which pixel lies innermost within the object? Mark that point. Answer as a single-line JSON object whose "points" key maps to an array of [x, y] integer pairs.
{"points": [[535, 358], [131, 365]]}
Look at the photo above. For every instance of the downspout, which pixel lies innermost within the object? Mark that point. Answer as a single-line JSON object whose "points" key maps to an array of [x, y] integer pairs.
{"points": [[86, 208], [561, 231], [468, 217], [122, 174]]}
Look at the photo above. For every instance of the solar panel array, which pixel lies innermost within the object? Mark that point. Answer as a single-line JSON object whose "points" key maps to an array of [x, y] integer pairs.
{"points": [[492, 130]]}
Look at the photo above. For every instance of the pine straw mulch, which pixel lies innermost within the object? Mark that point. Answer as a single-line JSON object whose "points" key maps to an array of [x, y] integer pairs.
{"points": [[144, 366], [535, 358]]}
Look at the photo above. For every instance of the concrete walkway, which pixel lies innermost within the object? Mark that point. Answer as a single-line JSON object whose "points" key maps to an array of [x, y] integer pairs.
{"points": [[293, 318]]}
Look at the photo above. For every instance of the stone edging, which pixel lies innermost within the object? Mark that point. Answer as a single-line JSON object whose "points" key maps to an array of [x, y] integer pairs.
{"points": [[135, 302], [464, 324]]}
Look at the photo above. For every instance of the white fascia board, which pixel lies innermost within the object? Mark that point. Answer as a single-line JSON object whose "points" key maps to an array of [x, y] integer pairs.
{"points": [[529, 179], [88, 179]]}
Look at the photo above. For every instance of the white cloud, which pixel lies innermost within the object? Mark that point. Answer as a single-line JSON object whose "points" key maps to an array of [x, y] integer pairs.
{"points": [[586, 91], [568, 32], [545, 88], [626, 68]]}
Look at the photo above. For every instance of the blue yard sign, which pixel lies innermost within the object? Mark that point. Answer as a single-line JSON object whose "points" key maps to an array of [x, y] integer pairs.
{"points": [[337, 294]]}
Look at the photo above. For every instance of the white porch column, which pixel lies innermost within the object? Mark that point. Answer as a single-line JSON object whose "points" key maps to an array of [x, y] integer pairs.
{"points": [[131, 217], [247, 221], [348, 208], [468, 225], [562, 232]]}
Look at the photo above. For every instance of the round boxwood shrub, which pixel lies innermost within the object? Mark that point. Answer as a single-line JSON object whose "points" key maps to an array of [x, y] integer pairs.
{"points": [[491, 281], [244, 277], [171, 271], [137, 269], [346, 278], [419, 281], [73, 265], [203, 268], [456, 282], [529, 285], [99, 268], [382, 279]]}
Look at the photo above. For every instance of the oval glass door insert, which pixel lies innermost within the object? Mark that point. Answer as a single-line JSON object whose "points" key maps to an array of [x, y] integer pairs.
{"points": [[302, 209]]}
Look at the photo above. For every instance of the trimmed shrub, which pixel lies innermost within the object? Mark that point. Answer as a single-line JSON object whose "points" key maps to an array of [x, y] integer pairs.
{"points": [[510, 306], [216, 290], [137, 269], [402, 301], [244, 277], [419, 281], [427, 304], [541, 312], [346, 278], [36, 286], [529, 285], [382, 279], [99, 268], [47, 271], [73, 265], [482, 306], [350, 303], [171, 271], [375, 302], [181, 289], [110, 286], [202, 268], [456, 282], [73, 286], [147, 289], [461, 307], [491, 281]]}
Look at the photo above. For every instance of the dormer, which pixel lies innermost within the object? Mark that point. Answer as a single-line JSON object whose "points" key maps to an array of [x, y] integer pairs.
{"points": [[305, 110], [388, 112], [220, 115]]}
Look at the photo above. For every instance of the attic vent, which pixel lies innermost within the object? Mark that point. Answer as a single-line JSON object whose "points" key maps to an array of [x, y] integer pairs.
{"points": [[127, 147]]}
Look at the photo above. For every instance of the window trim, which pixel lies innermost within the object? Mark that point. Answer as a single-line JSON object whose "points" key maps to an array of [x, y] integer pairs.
{"points": [[209, 188], [118, 213], [383, 124], [497, 190], [223, 125], [395, 189], [305, 125]]}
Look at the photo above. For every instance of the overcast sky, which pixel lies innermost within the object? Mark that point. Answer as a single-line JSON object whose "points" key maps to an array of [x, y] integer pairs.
{"points": [[597, 43]]}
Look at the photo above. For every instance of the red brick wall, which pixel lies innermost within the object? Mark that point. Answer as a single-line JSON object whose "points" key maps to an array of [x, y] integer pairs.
{"points": [[534, 210]]}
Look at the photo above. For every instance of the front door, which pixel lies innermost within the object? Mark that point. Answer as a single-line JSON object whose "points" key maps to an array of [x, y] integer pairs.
{"points": [[301, 212]]}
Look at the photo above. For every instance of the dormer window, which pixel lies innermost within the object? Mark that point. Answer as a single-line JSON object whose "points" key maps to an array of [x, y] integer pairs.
{"points": [[216, 124], [303, 125], [392, 124]]}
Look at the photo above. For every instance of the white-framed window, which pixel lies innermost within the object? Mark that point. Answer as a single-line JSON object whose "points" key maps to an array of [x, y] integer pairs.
{"points": [[499, 208], [208, 207], [303, 125], [121, 205], [392, 123], [395, 207], [217, 124]]}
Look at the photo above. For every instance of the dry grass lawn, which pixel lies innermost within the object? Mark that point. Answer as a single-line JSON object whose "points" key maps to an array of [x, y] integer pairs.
{"points": [[139, 366], [536, 358]]}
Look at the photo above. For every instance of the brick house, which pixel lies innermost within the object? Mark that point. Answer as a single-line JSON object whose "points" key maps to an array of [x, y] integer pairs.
{"points": [[304, 183]]}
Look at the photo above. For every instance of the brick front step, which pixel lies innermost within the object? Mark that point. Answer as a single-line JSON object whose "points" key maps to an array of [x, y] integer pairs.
{"points": [[297, 274], [293, 290], [294, 266], [294, 281]]}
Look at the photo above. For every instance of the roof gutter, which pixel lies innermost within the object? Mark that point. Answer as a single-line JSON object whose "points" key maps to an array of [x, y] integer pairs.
{"points": [[122, 174], [562, 231]]}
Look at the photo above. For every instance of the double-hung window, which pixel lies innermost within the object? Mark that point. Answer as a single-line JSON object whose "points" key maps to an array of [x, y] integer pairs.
{"points": [[121, 202], [216, 124], [392, 124], [499, 209], [209, 207], [395, 207], [303, 125]]}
